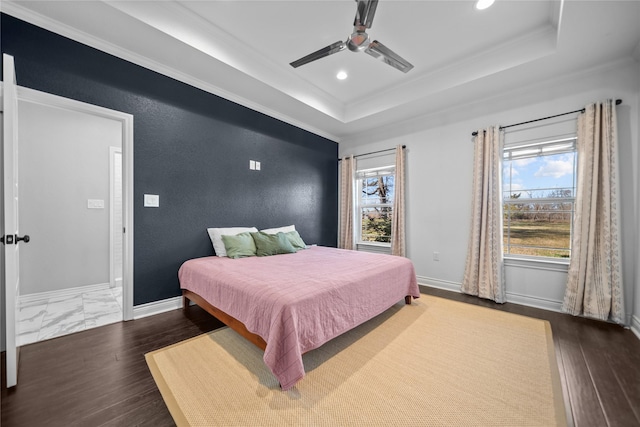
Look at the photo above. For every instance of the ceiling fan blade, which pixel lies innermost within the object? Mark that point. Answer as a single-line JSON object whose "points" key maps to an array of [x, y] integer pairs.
{"points": [[325, 51], [380, 51], [365, 13]]}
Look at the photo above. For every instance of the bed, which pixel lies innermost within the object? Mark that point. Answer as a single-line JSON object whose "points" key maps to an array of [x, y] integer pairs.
{"points": [[292, 303]]}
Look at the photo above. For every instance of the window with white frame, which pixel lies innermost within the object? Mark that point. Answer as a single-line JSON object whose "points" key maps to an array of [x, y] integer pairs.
{"points": [[539, 187], [375, 188]]}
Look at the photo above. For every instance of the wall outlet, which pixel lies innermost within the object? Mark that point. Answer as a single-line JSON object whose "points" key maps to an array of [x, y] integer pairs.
{"points": [[436, 256]]}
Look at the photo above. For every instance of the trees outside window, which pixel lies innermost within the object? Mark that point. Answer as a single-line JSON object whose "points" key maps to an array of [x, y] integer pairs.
{"points": [[375, 204]]}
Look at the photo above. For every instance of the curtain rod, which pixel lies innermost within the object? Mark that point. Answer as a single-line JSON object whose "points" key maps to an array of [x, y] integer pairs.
{"points": [[618, 102], [376, 152]]}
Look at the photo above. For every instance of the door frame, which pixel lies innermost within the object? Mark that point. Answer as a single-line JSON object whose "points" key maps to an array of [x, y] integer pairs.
{"points": [[112, 217], [3, 325], [126, 120]]}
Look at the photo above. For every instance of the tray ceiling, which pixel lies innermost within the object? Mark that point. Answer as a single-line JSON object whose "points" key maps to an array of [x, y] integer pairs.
{"points": [[241, 50]]}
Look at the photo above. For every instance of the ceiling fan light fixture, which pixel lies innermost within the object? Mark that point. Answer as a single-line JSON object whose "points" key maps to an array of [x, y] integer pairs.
{"points": [[484, 4], [342, 75]]}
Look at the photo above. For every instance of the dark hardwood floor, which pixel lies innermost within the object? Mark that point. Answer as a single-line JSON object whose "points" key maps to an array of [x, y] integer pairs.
{"points": [[100, 378]]}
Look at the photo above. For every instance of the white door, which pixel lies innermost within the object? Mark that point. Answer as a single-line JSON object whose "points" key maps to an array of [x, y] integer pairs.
{"points": [[11, 234]]}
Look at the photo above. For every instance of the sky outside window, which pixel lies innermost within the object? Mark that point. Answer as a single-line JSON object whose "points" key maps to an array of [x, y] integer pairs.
{"points": [[535, 177]]}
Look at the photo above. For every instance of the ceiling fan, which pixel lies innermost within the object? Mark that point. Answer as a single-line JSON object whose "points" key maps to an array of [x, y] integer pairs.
{"points": [[359, 40]]}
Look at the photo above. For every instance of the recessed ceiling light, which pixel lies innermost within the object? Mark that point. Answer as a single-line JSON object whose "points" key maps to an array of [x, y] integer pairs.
{"points": [[483, 4], [341, 75]]}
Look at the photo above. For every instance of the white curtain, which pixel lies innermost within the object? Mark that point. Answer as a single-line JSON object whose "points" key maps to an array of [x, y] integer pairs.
{"points": [[397, 220], [483, 275], [594, 283], [347, 174]]}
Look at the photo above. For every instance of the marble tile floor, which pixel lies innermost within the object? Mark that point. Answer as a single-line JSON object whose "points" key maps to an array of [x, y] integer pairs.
{"points": [[56, 316]]}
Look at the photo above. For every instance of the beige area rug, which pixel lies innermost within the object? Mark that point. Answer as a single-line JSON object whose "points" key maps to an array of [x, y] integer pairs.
{"points": [[433, 363]]}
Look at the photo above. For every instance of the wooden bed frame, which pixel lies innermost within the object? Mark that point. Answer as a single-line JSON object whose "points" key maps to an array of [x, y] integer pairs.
{"points": [[230, 321]]}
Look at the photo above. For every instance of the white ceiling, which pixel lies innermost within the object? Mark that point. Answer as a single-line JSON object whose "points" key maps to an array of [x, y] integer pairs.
{"points": [[241, 50]]}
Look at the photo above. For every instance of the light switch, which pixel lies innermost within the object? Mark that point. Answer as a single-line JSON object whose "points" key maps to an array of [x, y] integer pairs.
{"points": [[252, 165], [257, 166], [151, 201], [95, 204]]}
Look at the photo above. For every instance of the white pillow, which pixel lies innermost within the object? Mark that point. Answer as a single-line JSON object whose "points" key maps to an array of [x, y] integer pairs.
{"points": [[215, 234], [286, 229]]}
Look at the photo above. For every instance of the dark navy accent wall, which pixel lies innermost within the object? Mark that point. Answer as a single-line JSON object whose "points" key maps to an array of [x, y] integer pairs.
{"points": [[193, 149]]}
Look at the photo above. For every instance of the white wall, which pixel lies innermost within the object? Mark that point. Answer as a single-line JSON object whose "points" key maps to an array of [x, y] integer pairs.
{"points": [[69, 244], [3, 319], [636, 308], [439, 163]]}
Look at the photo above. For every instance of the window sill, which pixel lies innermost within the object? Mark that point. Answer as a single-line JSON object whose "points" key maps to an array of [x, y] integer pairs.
{"points": [[381, 248], [561, 265], [377, 244]]}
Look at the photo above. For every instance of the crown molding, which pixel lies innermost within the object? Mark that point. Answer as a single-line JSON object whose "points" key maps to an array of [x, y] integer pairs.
{"points": [[205, 36], [28, 15]]}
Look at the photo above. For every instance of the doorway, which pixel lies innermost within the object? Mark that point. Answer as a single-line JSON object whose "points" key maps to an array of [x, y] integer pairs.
{"points": [[72, 155]]}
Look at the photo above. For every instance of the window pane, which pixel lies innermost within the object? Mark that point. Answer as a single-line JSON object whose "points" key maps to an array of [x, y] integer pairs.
{"points": [[543, 176], [537, 228], [377, 190], [376, 224], [538, 195], [557, 146]]}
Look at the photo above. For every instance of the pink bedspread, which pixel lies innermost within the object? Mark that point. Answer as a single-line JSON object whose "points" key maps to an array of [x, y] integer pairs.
{"points": [[297, 302]]}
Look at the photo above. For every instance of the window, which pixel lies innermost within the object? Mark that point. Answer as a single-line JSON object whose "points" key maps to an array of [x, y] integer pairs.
{"points": [[539, 185], [375, 204]]}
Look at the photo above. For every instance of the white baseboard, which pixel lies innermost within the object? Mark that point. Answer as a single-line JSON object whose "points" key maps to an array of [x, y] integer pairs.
{"points": [[62, 293], [514, 298], [156, 307], [536, 302], [440, 284], [635, 325], [139, 311]]}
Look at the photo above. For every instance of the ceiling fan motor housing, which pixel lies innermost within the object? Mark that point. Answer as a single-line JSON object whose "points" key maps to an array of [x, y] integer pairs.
{"points": [[358, 41]]}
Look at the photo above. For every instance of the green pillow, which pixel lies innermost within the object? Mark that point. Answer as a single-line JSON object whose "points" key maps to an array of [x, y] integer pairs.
{"points": [[272, 244], [295, 239], [239, 246]]}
